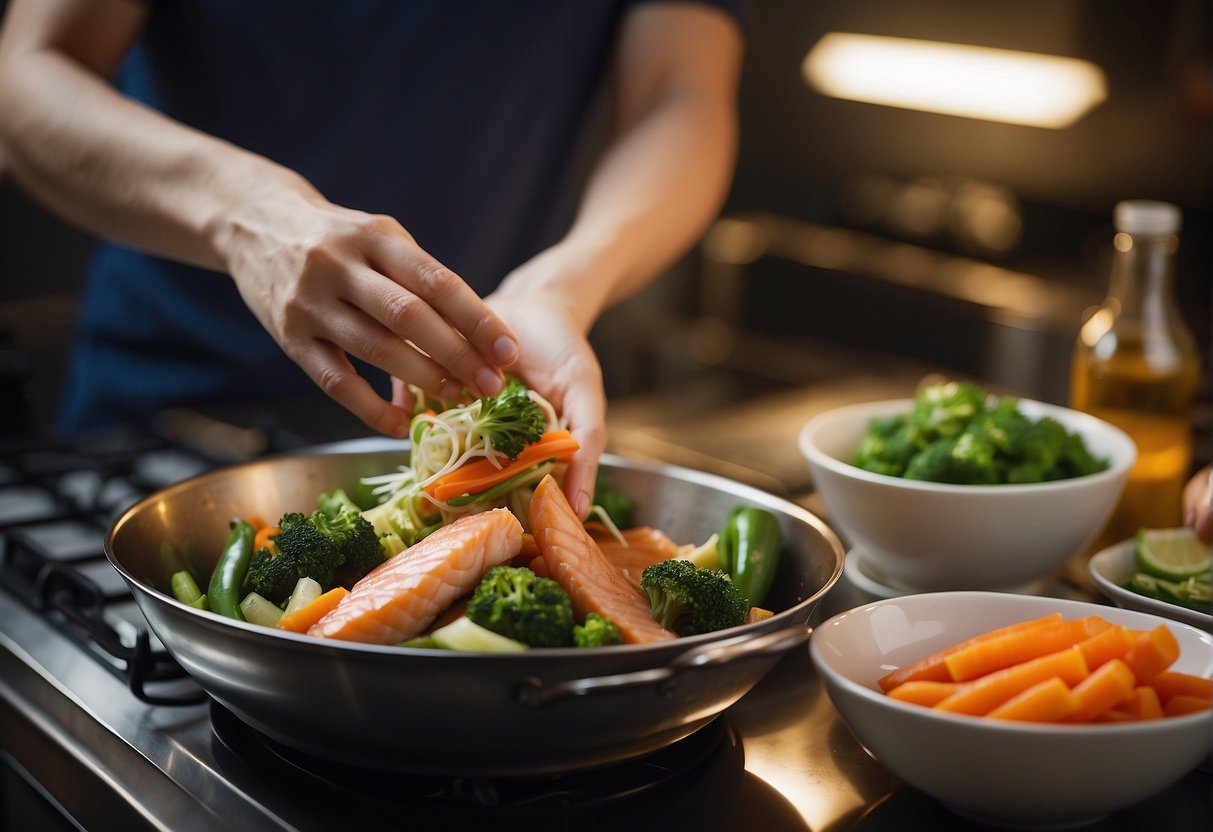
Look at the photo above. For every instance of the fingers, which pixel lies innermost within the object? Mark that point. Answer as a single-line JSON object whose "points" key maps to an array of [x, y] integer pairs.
{"points": [[332, 372], [584, 406], [1198, 503], [435, 309]]}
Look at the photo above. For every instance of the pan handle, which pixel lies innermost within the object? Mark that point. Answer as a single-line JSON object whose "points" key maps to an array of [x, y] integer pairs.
{"points": [[534, 692]]}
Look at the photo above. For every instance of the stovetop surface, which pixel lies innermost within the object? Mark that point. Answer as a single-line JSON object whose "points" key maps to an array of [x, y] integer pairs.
{"points": [[72, 720]]}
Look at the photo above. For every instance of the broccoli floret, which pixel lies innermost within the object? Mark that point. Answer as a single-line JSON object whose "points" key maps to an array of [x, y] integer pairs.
{"points": [[313, 547], [965, 459], [887, 449], [596, 631], [515, 602], [1045, 442], [690, 600], [510, 420], [354, 537], [335, 502], [954, 434], [945, 409], [1076, 459]]}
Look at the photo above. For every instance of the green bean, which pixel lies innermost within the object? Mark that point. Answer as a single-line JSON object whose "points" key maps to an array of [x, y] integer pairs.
{"points": [[185, 590], [227, 581]]}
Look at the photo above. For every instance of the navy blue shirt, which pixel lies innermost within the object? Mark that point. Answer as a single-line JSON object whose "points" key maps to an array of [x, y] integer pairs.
{"points": [[463, 119]]}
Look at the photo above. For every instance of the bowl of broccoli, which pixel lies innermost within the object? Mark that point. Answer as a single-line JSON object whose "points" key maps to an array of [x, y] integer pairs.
{"points": [[956, 489]]}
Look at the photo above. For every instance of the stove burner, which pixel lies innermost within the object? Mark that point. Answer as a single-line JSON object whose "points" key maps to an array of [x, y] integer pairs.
{"points": [[709, 762]]}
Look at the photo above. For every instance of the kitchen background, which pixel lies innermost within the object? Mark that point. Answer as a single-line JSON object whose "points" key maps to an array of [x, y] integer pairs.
{"points": [[857, 236], [862, 246]]}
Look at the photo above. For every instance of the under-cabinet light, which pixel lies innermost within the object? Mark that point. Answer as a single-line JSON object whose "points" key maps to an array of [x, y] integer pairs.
{"points": [[955, 79]]}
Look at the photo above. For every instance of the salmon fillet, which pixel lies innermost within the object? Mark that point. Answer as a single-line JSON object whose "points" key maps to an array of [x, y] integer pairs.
{"points": [[402, 596], [576, 562], [644, 547]]}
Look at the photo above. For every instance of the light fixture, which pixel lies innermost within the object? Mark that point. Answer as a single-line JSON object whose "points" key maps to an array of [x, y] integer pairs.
{"points": [[955, 79]]}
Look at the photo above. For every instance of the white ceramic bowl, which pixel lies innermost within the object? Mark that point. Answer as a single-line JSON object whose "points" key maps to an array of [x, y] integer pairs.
{"points": [[1113, 566], [1007, 773], [928, 536]]}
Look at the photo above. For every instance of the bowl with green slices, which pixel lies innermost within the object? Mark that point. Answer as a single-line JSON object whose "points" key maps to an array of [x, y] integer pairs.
{"points": [[956, 489], [1160, 571]]}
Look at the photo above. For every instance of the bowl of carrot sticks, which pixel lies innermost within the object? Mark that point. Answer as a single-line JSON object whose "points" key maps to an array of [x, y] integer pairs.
{"points": [[1022, 710]]}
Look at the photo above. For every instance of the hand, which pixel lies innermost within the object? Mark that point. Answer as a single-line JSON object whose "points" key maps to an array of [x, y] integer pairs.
{"points": [[328, 283], [1198, 503], [557, 361]]}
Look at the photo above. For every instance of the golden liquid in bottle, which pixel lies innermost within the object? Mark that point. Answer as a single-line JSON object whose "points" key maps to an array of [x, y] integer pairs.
{"points": [[1152, 401]]}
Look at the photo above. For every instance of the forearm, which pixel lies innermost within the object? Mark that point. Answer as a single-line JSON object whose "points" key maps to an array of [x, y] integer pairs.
{"points": [[121, 170], [646, 201], [666, 168]]}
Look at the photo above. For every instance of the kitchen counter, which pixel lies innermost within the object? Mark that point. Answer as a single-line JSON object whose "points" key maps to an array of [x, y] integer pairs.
{"points": [[755, 440], [779, 759]]}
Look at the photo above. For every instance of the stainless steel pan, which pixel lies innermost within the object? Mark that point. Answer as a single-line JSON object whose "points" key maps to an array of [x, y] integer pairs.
{"points": [[451, 713]]}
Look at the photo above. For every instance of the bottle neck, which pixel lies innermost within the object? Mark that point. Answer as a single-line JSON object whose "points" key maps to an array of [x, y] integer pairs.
{"points": [[1143, 271]]}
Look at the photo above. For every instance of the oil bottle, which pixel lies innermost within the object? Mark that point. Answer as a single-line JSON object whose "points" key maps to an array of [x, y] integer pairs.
{"points": [[1135, 364]]}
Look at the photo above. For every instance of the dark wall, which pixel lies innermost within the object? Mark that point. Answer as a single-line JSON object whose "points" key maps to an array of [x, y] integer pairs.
{"points": [[801, 151]]}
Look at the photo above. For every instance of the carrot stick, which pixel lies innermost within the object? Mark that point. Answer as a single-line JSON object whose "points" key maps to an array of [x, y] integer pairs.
{"points": [[1104, 689], [932, 667], [1181, 704], [1112, 643], [1115, 715], [1047, 701], [301, 619], [1171, 683], [983, 695], [481, 474], [1153, 651], [1014, 648], [262, 539], [1142, 703], [924, 692]]}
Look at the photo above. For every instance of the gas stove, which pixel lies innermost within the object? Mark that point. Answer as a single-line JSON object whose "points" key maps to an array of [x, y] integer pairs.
{"points": [[101, 729]]}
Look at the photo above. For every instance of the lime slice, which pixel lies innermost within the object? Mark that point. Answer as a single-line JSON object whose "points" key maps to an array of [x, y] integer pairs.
{"points": [[1174, 554]]}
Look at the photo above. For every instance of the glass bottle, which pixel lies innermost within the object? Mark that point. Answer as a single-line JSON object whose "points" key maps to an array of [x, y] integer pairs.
{"points": [[1135, 365]]}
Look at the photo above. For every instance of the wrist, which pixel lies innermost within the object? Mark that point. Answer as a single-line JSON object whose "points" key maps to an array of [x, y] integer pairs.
{"points": [[574, 275], [245, 215]]}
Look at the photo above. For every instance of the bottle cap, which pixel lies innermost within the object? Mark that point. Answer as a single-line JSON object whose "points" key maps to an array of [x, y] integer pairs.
{"points": [[1144, 216]]}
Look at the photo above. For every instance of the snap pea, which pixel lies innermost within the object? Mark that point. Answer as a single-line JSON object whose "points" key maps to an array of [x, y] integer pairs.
{"points": [[749, 546], [227, 581], [185, 589]]}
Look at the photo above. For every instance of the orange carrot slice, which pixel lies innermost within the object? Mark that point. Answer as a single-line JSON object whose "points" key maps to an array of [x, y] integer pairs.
{"points": [[1018, 647], [983, 695], [1142, 703], [1112, 643], [1115, 715], [924, 692], [1104, 689], [482, 475], [263, 539], [1047, 701], [301, 619], [1171, 683], [932, 667], [1181, 704], [1153, 651]]}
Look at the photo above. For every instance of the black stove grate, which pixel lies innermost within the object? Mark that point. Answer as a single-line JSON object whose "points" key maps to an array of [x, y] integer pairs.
{"points": [[57, 501]]}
